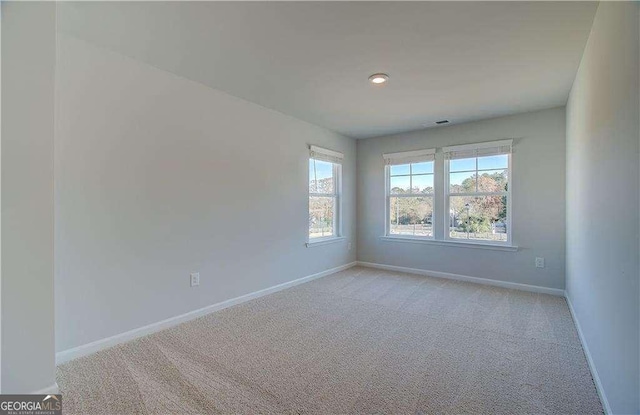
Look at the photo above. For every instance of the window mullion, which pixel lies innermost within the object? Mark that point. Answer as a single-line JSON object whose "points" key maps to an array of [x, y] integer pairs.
{"points": [[410, 178], [412, 195], [477, 177], [480, 194]]}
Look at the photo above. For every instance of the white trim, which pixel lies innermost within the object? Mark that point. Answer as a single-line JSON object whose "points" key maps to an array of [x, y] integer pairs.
{"points": [[324, 241], [49, 390], [462, 244], [592, 366], [476, 146], [89, 348], [458, 277], [337, 215]]}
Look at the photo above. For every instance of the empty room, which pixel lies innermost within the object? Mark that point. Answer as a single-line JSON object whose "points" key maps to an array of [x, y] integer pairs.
{"points": [[326, 207]]}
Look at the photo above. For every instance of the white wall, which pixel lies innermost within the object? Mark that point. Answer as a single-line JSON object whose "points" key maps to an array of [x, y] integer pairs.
{"points": [[538, 194], [28, 61], [158, 176], [602, 202]]}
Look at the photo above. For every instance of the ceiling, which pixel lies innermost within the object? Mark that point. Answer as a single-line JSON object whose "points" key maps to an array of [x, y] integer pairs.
{"points": [[458, 61]]}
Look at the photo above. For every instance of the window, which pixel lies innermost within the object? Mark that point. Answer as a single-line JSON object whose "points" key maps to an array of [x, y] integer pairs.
{"points": [[410, 193], [325, 169], [477, 192], [457, 195]]}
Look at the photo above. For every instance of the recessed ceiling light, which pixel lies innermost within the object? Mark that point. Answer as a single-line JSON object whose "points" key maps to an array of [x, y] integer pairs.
{"points": [[378, 78]]}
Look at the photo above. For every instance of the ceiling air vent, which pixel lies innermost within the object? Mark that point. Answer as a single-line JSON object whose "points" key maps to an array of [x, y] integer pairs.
{"points": [[442, 122]]}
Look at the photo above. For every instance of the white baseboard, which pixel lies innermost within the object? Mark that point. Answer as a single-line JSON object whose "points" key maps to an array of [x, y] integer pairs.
{"points": [[89, 348], [458, 277], [592, 366], [49, 390]]}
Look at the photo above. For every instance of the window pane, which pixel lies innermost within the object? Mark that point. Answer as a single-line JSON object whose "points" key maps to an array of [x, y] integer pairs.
{"points": [[399, 169], [462, 182], [321, 216], [492, 181], [478, 218], [421, 168], [399, 185], [411, 216], [321, 178], [422, 183], [462, 164], [493, 162], [312, 183]]}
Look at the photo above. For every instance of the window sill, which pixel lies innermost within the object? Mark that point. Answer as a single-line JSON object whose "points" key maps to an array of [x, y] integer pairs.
{"points": [[324, 241], [430, 241]]}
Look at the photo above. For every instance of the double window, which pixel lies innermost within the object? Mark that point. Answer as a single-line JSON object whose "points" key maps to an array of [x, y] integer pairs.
{"points": [[325, 171], [473, 194]]}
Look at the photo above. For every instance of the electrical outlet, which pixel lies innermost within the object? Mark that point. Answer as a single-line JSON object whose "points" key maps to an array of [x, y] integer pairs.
{"points": [[349, 246], [195, 279], [539, 262]]}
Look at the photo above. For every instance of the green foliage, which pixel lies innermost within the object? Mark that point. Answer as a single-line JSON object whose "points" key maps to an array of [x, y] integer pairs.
{"points": [[475, 224], [411, 210], [494, 182]]}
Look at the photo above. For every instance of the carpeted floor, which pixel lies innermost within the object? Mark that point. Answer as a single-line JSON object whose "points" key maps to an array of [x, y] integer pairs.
{"points": [[360, 341]]}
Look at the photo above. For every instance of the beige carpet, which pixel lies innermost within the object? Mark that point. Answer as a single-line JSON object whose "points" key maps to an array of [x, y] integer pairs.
{"points": [[360, 341]]}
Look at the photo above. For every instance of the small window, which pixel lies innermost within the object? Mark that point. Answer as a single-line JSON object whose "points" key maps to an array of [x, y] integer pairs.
{"points": [[325, 169], [477, 192], [410, 192]]}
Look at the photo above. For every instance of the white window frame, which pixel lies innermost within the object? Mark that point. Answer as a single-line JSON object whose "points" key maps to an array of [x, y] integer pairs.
{"points": [[335, 158], [408, 157], [507, 193]]}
